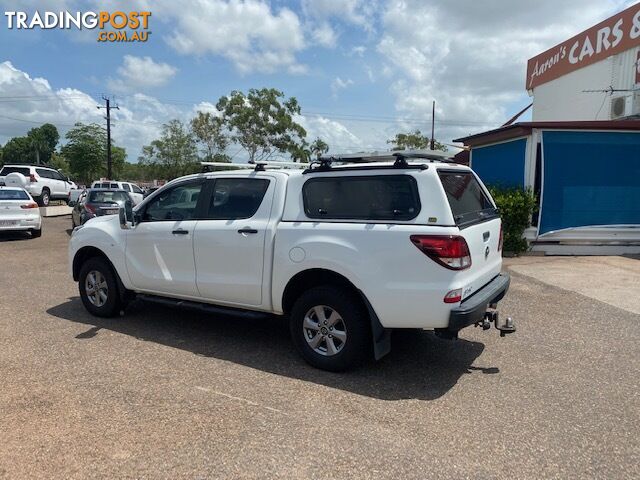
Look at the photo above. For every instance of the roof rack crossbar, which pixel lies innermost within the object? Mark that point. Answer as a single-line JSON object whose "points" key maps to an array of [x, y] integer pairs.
{"points": [[259, 166]]}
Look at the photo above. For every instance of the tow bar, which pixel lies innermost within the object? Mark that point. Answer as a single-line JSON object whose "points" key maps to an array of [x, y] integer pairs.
{"points": [[491, 316]]}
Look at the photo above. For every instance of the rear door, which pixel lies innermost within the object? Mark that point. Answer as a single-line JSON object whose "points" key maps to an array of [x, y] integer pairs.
{"points": [[229, 241], [477, 218]]}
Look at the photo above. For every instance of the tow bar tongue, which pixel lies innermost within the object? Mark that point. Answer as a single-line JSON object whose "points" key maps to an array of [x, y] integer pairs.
{"points": [[508, 326]]}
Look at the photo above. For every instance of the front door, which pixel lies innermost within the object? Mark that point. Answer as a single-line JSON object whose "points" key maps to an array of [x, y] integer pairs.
{"points": [[159, 250], [229, 241]]}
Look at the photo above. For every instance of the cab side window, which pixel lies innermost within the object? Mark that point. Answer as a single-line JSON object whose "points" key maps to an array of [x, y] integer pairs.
{"points": [[236, 198], [177, 203], [125, 187]]}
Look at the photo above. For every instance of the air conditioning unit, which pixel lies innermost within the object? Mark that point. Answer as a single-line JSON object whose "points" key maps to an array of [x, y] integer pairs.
{"points": [[635, 108], [619, 108]]}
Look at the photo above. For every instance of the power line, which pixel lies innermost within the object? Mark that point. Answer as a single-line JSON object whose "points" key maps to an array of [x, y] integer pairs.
{"points": [[108, 107]]}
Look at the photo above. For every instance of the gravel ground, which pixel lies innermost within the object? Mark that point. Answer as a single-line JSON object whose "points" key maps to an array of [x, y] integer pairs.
{"points": [[162, 393]]}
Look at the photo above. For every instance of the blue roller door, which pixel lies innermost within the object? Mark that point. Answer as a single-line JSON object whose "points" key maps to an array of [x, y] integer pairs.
{"points": [[590, 179], [501, 164]]}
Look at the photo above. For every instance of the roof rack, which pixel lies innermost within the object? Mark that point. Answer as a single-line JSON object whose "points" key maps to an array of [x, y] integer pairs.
{"points": [[259, 166]]}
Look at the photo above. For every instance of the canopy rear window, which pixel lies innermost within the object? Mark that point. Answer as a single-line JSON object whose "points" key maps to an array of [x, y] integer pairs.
{"points": [[469, 203], [375, 198]]}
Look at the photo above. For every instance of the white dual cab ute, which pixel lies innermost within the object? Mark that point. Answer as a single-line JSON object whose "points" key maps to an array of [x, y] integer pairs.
{"points": [[42, 183], [134, 191], [347, 252]]}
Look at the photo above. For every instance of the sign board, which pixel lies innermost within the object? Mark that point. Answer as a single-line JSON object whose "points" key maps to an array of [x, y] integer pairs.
{"points": [[638, 69], [614, 35]]}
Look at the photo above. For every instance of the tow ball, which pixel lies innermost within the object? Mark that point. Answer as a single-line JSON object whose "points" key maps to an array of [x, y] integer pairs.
{"points": [[491, 316]]}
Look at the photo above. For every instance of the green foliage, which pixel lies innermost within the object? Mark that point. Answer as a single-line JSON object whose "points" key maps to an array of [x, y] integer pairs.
{"points": [[516, 205], [210, 136], [18, 150], [414, 141], [319, 147], [43, 141], [60, 163], [261, 122], [172, 155], [86, 151]]}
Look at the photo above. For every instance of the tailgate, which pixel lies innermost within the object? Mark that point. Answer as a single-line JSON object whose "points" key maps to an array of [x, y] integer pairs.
{"points": [[474, 213], [486, 259]]}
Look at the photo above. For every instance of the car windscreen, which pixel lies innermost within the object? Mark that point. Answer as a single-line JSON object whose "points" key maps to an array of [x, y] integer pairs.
{"points": [[107, 197], [469, 203], [7, 170], [367, 197], [13, 195]]}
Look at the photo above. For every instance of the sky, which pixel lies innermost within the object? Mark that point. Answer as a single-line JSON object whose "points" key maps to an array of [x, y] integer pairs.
{"points": [[361, 70]]}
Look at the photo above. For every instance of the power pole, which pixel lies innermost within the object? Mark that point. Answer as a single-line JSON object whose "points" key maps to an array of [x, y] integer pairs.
{"points": [[433, 125], [108, 118]]}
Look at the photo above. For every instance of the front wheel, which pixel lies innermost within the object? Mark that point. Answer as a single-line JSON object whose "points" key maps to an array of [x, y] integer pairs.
{"points": [[99, 288], [330, 328]]}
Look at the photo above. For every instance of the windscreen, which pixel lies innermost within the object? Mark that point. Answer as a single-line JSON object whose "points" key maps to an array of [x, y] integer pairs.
{"points": [[108, 197], [469, 203], [13, 195]]}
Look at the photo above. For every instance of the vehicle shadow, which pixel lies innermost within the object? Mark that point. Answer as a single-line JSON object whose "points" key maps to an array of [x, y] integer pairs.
{"points": [[420, 365], [14, 236]]}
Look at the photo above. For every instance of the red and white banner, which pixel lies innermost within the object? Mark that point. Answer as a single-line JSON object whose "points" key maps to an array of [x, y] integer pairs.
{"points": [[614, 35]]}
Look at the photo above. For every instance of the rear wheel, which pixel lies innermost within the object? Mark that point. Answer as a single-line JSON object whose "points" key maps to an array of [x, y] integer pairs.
{"points": [[330, 328], [99, 288], [45, 198]]}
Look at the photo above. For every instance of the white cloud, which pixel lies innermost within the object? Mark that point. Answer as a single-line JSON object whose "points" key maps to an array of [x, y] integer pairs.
{"points": [[356, 12], [29, 102], [246, 32], [471, 56], [324, 35], [138, 73], [339, 138], [340, 84]]}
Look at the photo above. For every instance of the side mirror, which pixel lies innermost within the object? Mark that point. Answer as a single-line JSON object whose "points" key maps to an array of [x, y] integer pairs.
{"points": [[127, 218]]}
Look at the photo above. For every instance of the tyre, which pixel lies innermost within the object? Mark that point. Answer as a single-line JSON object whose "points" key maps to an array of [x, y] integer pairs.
{"points": [[330, 328], [99, 288], [44, 198], [36, 233]]}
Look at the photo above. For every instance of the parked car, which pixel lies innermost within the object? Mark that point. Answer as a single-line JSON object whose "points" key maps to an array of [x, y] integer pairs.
{"points": [[43, 184], [348, 253], [97, 202], [74, 195], [134, 191], [18, 211]]}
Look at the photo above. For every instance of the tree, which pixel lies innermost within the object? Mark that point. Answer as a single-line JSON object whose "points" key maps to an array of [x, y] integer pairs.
{"points": [[173, 154], [414, 141], [43, 140], [208, 131], [86, 151], [319, 147], [18, 150], [261, 122], [118, 160], [60, 163]]}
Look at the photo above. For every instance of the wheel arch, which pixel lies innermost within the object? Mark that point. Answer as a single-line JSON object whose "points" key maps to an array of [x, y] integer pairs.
{"points": [[316, 277], [84, 254]]}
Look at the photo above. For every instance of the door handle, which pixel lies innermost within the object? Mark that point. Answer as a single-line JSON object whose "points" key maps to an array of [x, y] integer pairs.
{"points": [[246, 230], [180, 232]]}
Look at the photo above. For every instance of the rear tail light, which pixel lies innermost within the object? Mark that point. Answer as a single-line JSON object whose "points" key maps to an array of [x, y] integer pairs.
{"points": [[500, 240], [89, 208], [450, 251], [32, 178], [454, 296], [29, 205]]}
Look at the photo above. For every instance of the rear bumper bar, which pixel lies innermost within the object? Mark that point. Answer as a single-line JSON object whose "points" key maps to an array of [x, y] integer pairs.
{"points": [[472, 309]]}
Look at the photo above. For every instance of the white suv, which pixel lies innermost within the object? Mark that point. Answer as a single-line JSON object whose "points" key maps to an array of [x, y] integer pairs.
{"points": [[134, 191], [348, 253], [43, 184]]}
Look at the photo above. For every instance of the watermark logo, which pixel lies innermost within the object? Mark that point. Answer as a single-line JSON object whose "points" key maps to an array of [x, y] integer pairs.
{"points": [[114, 26]]}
